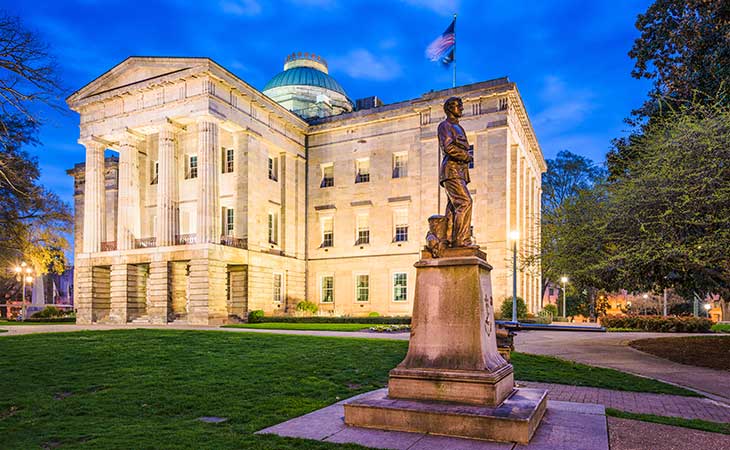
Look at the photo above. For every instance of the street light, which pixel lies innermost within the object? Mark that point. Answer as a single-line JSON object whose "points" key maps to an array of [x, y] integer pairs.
{"points": [[514, 236], [23, 273], [707, 307], [564, 280]]}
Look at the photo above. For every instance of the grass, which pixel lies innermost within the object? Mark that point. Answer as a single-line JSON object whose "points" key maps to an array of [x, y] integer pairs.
{"points": [[721, 328], [702, 351], [547, 369], [697, 424], [303, 326], [145, 388]]}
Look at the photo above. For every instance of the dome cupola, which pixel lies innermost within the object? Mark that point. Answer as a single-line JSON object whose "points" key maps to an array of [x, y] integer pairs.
{"points": [[306, 88]]}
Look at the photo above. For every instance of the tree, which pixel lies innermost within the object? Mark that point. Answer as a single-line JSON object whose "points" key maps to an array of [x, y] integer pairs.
{"points": [[33, 220], [684, 47], [669, 215], [571, 217]]}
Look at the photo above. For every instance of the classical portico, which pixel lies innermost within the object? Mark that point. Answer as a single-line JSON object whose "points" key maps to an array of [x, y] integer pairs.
{"points": [[172, 242]]}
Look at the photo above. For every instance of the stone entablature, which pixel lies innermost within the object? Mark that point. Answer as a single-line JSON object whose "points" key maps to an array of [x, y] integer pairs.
{"points": [[206, 162]]}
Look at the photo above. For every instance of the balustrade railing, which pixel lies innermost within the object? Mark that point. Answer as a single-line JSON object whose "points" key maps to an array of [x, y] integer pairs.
{"points": [[145, 242], [232, 241], [108, 246], [186, 239]]}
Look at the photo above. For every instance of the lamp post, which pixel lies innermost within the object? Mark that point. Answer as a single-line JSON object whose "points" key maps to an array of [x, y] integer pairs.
{"points": [[707, 307], [514, 235], [23, 273], [564, 280], [643, 305]]}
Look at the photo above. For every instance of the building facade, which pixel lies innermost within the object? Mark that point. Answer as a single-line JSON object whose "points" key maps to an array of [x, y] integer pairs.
{"points": [[217, 199]]}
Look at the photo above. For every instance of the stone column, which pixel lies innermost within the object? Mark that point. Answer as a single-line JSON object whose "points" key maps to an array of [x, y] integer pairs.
{"points": [[83, 297], [167, 187], [120, 286], [209, 167], [207, 292], [128, 210], [94, 192], [159, 292]]}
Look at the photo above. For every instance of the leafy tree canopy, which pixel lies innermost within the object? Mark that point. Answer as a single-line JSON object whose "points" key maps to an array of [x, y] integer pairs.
{"points": [[33, 220]]}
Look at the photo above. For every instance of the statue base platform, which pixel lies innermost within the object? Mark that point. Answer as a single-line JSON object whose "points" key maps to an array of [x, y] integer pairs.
{"points": [[453, 381], [514, 420]]}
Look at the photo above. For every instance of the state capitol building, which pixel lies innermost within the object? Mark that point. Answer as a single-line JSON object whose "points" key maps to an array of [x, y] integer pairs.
{"points": [[221, 199]]}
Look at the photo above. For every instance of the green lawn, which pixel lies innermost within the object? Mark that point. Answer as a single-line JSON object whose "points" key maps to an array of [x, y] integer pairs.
{"points": [[697, 424], [12, 323], [303, 326], [145, 388]]}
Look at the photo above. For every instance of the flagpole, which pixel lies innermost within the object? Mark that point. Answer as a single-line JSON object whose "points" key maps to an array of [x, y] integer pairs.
{"points": [[453, 82]]}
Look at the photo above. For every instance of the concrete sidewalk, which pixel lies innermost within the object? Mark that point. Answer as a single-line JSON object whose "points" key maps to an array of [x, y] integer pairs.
{"points": [[611, 350]]}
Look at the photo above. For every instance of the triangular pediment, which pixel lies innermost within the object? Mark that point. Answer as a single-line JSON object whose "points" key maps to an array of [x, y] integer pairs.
{"points": [[134, 72]]}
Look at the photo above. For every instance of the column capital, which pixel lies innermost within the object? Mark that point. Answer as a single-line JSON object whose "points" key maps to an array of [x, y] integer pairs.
{"points": [[96, 142]]}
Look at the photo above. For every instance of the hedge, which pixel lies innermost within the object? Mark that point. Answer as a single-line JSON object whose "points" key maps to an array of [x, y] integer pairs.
{"points": [[672, 324], [326, 319]]}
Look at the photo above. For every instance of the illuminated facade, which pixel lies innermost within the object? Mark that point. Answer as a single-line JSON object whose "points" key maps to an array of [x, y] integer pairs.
{"points": [[221, 200]]}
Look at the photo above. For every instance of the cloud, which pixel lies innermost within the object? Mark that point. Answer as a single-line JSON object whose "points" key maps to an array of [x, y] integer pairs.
{"points": [[440, 7], [566, 108], [241, 7], [361, 64]]}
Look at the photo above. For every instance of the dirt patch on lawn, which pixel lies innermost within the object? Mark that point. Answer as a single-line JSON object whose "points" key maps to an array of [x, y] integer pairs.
{"points": [[701, 351]]}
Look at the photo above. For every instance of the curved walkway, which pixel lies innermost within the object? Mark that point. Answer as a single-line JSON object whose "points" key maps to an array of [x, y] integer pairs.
{"points": [[612, 350], [638, 402]]}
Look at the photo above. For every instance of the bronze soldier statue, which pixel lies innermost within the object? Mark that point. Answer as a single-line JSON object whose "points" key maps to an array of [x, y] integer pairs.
{"points": [[454, 174]]}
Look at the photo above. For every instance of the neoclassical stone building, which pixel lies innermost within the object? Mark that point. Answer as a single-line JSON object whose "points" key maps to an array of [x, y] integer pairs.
{"points": [[202, 198]]}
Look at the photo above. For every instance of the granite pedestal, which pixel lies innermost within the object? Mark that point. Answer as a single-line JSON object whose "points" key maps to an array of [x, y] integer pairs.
{"points": [[453, 381]]}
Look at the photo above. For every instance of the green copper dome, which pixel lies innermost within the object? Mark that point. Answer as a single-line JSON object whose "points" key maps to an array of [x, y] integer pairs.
{"points": [[304, 76]]}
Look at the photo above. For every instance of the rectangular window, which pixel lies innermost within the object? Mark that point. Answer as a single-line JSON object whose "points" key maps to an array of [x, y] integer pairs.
{"points": [[400, 222], [328, 289], [155, 172], [273, 168], [192, 171], [362, 171], [362, 287], [328, 175], [471, 153], [551, 291], [328, 233], [363, 229], [273, 228], [400, 287], [400, 165], [228, 160], [278, 287], [229, 222]]}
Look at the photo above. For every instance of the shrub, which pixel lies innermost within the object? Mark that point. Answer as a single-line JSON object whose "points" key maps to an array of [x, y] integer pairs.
{"points": [[551, 309], [374, 314], [506, 308], [672, 324], [721, 328], [390, 328], [322, 319], [256, 316], [48, 312], [307, 306]]}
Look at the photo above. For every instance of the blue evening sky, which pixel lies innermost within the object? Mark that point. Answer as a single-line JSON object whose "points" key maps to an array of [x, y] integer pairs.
{"points": [[568, 57]]}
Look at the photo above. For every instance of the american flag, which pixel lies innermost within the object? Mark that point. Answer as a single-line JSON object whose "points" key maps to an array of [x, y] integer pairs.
{"points": [[442, 48]]}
